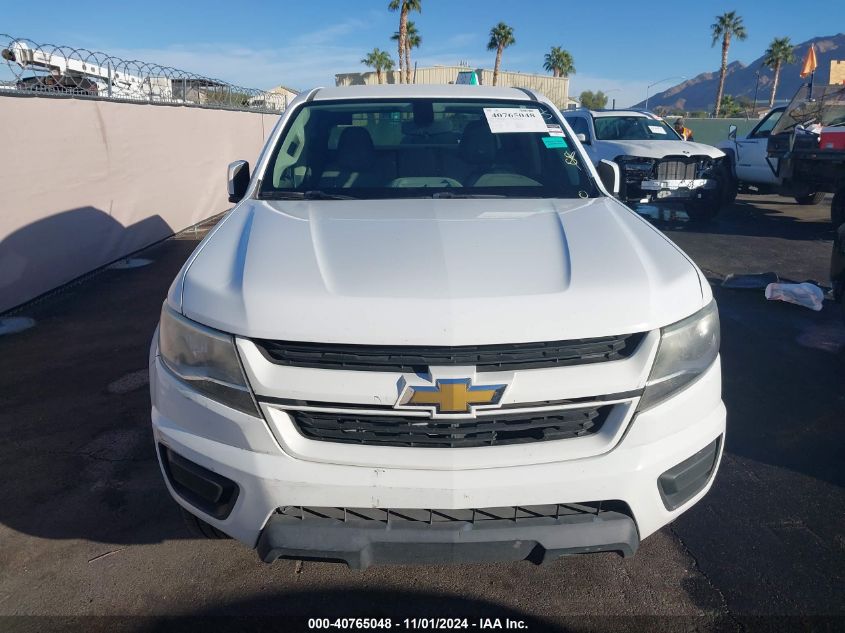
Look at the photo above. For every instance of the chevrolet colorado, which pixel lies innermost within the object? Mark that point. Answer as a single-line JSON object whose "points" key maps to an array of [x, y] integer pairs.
{"points": [[429, 332]]}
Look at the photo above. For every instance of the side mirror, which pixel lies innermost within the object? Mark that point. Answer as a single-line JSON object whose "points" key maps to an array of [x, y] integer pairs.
{"points": [[582, 137], [238, 177], [732, 132], [610, 176]]}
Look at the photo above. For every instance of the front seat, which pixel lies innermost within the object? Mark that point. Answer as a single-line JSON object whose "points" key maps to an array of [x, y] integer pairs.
{"points": [[356, 162], [479, 152]]}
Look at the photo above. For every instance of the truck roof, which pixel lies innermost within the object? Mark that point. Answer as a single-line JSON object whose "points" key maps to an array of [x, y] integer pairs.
{"points": [[410, 91]]}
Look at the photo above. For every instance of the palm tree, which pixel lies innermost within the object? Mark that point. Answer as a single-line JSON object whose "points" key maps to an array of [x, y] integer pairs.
{"points": [[559, 62], [404, 7], [779, 53], [726, 26], [730, 106], [413, 41], [379, 60], [501, 36]]}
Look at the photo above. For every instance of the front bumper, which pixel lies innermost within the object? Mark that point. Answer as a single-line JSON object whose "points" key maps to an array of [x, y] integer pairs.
{"points": [[678, 188], [670, 190], [241, 448], [363, 543]]}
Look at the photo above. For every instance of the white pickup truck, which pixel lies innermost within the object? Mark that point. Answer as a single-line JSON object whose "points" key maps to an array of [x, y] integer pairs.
{"points": [[753, 170], [429, 332]]}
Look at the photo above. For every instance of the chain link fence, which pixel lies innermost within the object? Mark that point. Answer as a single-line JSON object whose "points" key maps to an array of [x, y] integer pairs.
{"points": [[50, 70]]}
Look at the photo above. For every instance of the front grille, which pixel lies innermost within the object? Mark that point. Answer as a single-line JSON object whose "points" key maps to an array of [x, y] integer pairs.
{"points": [[487, 430], [419, 358], [470, 515], [676, 169]]}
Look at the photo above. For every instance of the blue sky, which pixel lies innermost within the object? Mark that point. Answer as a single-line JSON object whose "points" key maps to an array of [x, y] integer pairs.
{"points": [[618, 46]]}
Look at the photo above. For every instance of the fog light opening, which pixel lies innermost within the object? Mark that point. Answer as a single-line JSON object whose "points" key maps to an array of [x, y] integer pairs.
{"points": [[682, 482], [208, 491]]}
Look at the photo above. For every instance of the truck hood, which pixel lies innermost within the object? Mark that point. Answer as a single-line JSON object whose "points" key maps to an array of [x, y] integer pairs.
{"points": [[654, 149], [437, 272]]}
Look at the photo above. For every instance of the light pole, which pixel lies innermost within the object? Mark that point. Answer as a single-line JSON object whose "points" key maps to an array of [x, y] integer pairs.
{"points": [[756, 85], [650, 86]]}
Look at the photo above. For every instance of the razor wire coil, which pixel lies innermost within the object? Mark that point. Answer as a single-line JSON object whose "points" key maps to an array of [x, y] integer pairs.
{"points": [[61, 71]]}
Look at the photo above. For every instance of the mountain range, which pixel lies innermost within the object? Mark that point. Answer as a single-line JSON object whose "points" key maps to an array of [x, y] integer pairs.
{"points": [[699, 93]]}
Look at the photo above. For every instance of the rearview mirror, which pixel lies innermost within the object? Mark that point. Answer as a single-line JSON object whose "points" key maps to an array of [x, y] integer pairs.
{"points": [[610, 176], [582, 137], [732, 132], [238, 180]]}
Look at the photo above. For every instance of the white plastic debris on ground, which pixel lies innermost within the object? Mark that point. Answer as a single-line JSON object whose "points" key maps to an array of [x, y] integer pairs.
{"points": [[805, 294]]}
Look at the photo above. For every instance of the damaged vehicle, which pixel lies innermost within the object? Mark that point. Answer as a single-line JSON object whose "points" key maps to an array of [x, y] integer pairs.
{"points": [[428, 332], [657, 164], [807, 145], [754, 171]]}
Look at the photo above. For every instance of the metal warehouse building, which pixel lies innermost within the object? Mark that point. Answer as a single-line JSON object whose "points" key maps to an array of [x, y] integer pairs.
{"points": [[555, 88]]}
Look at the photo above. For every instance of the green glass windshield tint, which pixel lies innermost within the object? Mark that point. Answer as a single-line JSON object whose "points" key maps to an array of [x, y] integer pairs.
{"points": [[421, 148]]}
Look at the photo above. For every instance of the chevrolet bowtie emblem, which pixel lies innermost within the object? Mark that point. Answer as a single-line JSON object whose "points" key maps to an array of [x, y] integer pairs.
{"points": [[453, 395]]}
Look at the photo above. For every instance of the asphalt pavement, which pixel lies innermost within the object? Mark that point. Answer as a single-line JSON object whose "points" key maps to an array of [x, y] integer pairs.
{"points": [[90, 539]]}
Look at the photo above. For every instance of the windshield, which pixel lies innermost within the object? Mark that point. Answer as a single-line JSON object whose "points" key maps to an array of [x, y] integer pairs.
{"points": [[632, 128], [825, 107], [764, 127], [425, 148]]}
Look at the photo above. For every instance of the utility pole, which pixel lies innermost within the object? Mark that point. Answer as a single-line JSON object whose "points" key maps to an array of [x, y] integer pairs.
{"points": [[756, 85], [613, 101]]}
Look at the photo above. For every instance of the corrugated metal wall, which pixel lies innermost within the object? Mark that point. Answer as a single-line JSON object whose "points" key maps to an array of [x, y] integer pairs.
{"points": [[555, 88]]}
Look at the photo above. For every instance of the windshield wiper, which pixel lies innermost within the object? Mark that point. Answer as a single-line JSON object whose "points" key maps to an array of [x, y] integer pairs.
{"points": [[449, 194], [303, 195]]}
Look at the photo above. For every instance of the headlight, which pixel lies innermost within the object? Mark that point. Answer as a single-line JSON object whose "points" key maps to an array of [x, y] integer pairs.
{"points": [[709, 166], [205, 359], [639, 163], [687, 349]]}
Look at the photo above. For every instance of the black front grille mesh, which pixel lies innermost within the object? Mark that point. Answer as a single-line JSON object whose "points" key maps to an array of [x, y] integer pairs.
{"points": [[431, 516], [418, 358], [488, 430]]}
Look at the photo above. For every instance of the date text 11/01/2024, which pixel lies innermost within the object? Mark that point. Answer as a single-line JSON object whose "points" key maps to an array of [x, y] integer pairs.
{"points": [[417, 623]]}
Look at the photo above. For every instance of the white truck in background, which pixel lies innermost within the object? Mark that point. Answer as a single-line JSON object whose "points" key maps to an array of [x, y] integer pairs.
{"points": [[753, 170]]}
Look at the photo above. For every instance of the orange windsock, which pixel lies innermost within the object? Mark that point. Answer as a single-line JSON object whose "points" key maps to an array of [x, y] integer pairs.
{"points": [[810, 63]]}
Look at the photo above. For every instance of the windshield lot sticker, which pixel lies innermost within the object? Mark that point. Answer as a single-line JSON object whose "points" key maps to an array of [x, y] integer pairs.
{"points": [[657, 129], [506, 120], [553, 142], [554, 130]]}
